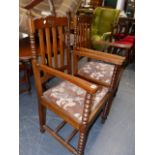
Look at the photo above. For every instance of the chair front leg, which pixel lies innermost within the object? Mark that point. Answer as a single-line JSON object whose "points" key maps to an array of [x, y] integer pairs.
{"points": [[103, 114], [84, 125], [42, 117], [82, 143], [106, 109]]}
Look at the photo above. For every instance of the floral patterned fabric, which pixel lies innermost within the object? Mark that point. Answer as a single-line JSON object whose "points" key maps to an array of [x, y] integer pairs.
{"points": [[100, 71], [71, 98]]}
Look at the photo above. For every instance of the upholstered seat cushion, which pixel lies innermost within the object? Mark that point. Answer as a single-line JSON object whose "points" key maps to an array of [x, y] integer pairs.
{"points": [[99, 71], [119, 35], [71, 98], [128, 40]]}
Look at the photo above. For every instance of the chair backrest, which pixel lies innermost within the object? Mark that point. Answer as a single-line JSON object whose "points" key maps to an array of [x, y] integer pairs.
{"points": [[54, 42], [82, 25], [103, 20], [125, 26]]}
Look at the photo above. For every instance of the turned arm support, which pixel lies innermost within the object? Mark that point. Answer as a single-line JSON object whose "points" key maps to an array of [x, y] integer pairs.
{"points": [[106, 57], [89, 87]]}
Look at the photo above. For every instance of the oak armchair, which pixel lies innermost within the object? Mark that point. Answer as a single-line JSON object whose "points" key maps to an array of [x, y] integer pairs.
{"points": [[102, 68], [105, 69], [75, 100]]}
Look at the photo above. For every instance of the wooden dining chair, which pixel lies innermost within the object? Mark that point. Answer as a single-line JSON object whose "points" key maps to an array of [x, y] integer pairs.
{"points": [[104, 69], [76, 101], [124, 34]]}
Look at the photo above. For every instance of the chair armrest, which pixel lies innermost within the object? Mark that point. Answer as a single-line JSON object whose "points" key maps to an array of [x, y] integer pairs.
{"points": [[32, 4], [119, 45], [89, 87], [110, 58], [113, 44]]}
